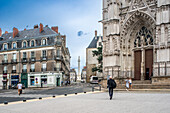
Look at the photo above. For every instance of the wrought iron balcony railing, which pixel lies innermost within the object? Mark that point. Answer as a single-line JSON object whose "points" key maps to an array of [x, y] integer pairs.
{"points": [[44, 58], [32, 70], [13, 61], [33, 59], [4, 61], [24, 60], [14, 71], [43, 69], [24, 70]]}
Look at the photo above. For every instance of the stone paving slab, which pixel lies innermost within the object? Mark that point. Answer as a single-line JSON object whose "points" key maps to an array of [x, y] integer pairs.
{"points": [[126, 102]]}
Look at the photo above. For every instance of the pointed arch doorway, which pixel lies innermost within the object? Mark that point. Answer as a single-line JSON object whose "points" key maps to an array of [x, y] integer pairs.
{"points": [[143, 54]]}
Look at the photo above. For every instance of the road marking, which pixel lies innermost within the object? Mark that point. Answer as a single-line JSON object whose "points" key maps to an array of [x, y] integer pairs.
{"points": [[45, 98]]}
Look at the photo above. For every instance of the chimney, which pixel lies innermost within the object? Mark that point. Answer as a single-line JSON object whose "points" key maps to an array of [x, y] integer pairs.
{"points": [[25, 29], [41, 27], [55, 28], [35, 26], [96, 34], [6, 32], [15, 32], [0, 32]]}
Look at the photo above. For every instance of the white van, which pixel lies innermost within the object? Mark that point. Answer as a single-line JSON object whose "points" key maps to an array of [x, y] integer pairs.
{"points": [[94, 80]]}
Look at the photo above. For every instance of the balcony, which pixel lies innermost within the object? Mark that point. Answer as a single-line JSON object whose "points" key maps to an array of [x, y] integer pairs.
{"points": [[43, 69], [14, 71], [5, 72], [13, 61], [24, 70], [32, 70], [24, 60], [58, 57], [4, 62], [33, 59], [44, 58]]}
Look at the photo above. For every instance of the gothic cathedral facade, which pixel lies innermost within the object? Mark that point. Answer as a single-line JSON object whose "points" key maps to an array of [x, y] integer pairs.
{"points": [[136, 39]]}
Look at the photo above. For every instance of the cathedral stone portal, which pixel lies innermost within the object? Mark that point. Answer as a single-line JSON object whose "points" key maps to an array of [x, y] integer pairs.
{"points": [[136, 39]]}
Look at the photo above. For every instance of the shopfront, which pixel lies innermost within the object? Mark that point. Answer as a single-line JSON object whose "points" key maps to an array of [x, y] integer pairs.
{"points": [[14, 80], [24, 79]]}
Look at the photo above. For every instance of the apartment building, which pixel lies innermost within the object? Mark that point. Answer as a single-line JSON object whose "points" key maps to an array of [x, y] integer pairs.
{"points": [[73, 75], [36, 57], [91, 61]]}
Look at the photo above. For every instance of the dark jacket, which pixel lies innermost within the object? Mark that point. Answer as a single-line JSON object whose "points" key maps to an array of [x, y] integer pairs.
{"points": [[111, 83]]}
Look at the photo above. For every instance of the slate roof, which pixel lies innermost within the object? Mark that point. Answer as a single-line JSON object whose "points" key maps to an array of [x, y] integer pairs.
{"points": [[30, 33], [93, 43]]}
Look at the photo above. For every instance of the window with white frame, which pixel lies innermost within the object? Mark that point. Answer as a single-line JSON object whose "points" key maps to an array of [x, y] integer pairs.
{"points": [[44, 42], [32, 54], [5, 68], [32, 66], [14, 56], [5, 46], [44, 53], [5, 57], [14, 45], [24, 44], [13, 67], [32, 43], [58, 52], [24, 55], [44, 65], [24, 66]]}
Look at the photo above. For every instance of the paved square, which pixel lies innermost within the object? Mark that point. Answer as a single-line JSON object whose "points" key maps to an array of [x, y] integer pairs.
{"points": [[123, 102]]}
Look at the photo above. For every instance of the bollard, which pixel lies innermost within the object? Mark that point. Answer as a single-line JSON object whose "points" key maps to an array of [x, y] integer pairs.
{"points": [[40, 98], [5, 102], [65, 94], [99, 87], [75, 93], [53, 96], [92, 88], [24, 100]]}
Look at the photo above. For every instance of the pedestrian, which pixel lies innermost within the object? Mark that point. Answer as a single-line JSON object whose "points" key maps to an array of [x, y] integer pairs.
{"points": [[111, 85], [130, 83], [127, 83], [19, 86]]}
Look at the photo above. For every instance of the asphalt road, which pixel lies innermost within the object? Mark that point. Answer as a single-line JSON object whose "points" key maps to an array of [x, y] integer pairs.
{"points": [[12, 95]]}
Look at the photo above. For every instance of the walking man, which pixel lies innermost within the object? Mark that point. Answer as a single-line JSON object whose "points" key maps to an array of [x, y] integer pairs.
{"points": [[111, 85], [19, 86]]}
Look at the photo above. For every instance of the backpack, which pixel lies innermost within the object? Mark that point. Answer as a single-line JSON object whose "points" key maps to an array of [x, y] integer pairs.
{"points": [[114, 84]]}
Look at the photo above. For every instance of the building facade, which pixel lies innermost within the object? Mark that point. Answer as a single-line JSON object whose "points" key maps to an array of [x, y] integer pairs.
{"points": [[73, 75], [35, 57], [91, 61], [136, 39], [83, 74]]}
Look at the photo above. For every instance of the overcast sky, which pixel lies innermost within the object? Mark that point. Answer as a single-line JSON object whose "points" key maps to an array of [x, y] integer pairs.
{"points": [[77, 19]]}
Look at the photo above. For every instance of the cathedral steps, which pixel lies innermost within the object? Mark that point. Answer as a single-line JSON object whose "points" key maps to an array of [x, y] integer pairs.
{"points": [[144, 86]]}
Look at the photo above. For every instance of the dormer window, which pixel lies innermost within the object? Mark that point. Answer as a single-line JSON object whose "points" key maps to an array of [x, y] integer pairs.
{"points": [[14, 45], [32, 43], [44, 42], [5, 47], [24, 44]]}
